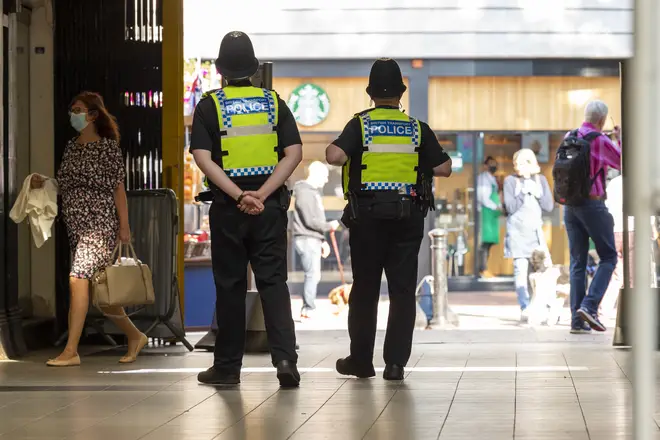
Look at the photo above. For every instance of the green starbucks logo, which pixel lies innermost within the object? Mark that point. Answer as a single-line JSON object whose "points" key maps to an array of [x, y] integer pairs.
{"points": [[309, 104]]}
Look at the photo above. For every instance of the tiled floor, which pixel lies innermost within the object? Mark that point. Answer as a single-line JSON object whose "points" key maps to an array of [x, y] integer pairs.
{"points": [[545, 385]]}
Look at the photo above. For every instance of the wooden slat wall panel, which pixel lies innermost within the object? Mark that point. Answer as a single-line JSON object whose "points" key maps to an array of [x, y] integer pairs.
{"points": [[517, 103], [347, 97]]}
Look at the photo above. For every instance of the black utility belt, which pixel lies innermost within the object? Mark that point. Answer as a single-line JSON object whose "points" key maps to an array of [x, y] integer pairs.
{"points": [[386, 208]]}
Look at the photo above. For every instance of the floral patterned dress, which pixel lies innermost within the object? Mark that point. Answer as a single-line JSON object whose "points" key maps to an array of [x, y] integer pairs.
{"points": [[87, 177]]}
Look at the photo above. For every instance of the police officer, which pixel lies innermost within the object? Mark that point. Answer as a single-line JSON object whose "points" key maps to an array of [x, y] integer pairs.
{"points": [[245, 140], [388, 161]]}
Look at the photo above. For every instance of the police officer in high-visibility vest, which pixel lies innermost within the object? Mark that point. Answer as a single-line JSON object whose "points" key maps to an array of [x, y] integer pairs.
{"points": [[389, 160], [245, 140]]}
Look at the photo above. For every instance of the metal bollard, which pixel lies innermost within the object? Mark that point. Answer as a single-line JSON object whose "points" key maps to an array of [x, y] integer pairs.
{"points": [[442, 313]]}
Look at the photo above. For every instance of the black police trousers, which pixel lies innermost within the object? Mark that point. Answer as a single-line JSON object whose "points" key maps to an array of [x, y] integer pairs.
{"points": [[393, 246], [261, 240]]}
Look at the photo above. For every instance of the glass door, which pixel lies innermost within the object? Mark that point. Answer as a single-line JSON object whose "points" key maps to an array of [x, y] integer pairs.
{"points": [[455, 207], [497, 164]]}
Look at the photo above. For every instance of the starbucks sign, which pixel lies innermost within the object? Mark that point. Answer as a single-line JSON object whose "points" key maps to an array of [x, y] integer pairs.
{"points": [[309, 104]]}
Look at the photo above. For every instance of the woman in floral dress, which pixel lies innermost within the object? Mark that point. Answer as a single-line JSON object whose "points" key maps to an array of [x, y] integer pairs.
{"points": [[91, 181]]}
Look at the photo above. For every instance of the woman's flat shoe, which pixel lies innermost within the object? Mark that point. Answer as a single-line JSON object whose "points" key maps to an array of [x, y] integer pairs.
{"points": [[71, 362], [132, 357]]}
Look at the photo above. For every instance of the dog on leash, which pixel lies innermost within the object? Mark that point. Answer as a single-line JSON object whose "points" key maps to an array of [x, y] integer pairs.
{"points": [[550, 285], [339, 297]]}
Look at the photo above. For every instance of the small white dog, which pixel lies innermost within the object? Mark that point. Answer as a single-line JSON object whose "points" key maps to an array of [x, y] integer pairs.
{"points": [[550, 285]]}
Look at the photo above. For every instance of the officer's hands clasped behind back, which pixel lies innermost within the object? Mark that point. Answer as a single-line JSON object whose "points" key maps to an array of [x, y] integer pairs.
{"points": [[250, 202]]}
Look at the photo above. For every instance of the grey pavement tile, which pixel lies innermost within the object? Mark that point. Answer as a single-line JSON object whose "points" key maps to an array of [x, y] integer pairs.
{"points": [[475, 435], [550, 424], [328, 434], [605, 432], [555, 435], [332, 429], [20, 437], [10, 424], [176, 433], [479, 403], [115, 432], [398, 431], [53, 427], [271, 427], [29, 408], [546, 394], [478, 430]]}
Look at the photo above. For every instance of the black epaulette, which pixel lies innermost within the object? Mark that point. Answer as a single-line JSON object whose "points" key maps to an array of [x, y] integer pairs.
{"points": [[357, 115], [208, 93]]}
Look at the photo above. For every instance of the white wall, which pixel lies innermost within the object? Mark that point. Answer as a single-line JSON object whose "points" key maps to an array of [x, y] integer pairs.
{"points": [[42, 158], [349, 29]]}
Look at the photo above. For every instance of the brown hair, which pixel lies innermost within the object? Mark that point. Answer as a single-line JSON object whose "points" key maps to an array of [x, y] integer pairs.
{"points": [[105, 123]]}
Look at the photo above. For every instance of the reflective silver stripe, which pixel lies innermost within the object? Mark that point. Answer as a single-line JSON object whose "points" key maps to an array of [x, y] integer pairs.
{"points": [[392, 148], [248, 130]]}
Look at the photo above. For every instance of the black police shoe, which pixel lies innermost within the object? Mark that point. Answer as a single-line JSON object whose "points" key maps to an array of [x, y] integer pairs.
{"points": [[393, 372], [348, 367], [287, 374], [213, 376]]}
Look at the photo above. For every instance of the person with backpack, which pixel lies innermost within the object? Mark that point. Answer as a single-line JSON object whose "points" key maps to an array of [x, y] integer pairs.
{"points": [[580, 171], [527, 195]]}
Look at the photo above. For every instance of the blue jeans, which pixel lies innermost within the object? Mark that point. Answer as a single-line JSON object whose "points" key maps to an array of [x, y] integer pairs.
{"points": [[309, 250], [590, 220], [521, 281]]}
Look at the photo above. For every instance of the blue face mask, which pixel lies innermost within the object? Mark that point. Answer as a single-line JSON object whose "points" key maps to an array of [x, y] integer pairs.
{"points": [[79, 121]]}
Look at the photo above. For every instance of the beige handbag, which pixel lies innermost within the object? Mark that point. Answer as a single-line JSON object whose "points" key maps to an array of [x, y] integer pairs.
{"points": [[123, 285]]}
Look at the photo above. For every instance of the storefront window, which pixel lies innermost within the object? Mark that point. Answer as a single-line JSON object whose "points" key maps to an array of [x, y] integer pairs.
{"points": [[458, 198]]}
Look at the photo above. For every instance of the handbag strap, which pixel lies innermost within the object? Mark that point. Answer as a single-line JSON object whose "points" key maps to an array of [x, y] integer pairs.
{"points": [[118, 253], [113, 257], [120, 249]]}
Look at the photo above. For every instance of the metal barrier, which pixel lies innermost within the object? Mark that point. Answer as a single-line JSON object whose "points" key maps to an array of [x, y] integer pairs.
{"points": [[154, 223], [443, 316]]}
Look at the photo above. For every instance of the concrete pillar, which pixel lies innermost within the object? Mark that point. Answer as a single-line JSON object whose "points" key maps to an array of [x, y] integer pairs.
{"points": [[642, 117]]}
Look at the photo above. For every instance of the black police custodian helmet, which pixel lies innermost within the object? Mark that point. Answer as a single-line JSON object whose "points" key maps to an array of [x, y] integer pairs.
{"points": [[236, 58], [385, 79]]}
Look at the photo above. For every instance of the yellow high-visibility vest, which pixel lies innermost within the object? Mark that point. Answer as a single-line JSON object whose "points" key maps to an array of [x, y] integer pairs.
{"points": [[390, 157], [248, 118]]}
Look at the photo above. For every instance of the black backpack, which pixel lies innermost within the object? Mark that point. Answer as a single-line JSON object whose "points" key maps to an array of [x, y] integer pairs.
{"points": [[571, 171]]}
